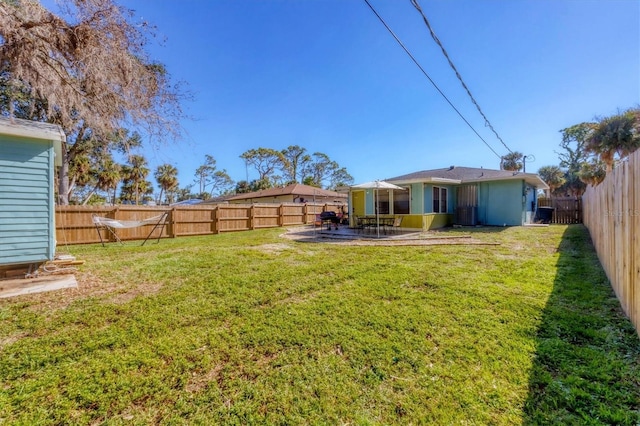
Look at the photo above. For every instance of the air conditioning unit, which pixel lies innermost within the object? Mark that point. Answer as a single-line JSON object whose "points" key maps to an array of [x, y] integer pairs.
{"points": [[466, 216]]}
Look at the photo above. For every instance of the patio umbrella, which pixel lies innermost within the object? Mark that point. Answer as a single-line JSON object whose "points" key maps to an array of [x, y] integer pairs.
{"points": [[377, 185]]}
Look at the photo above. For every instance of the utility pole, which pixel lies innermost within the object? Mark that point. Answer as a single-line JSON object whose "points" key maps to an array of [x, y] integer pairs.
{"points": [[524, 161]]}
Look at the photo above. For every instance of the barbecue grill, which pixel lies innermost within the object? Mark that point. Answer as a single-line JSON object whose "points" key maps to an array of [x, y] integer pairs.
{"points": [[329, 218]]}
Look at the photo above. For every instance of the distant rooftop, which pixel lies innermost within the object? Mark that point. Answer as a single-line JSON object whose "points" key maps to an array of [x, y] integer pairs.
{"points": [[293, 189]]}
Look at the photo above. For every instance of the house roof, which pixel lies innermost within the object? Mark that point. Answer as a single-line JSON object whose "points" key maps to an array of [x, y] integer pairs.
{"points": [[189, 202], [35, 130], [293, 189], [457, 175], [221, 199]]}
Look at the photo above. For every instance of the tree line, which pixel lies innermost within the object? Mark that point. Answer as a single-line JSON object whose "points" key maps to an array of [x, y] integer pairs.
{"points": [[588, 151], [86, 69], [96, 177]]}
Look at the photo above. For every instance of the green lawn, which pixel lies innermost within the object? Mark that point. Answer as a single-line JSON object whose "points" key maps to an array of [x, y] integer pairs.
{"points": [[251, 328]]}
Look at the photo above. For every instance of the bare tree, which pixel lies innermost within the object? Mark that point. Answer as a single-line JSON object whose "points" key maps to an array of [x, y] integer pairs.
{"points": [[85, 69]]}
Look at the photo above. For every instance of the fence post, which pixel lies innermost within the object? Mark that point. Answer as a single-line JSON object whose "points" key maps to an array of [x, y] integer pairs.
{"points": [[171, 232], [215, 228], [114, 213], [252, 213]]}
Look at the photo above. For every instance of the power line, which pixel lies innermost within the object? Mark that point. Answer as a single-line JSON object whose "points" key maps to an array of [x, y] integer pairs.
{"points": [[429, 78], [446, 55]]}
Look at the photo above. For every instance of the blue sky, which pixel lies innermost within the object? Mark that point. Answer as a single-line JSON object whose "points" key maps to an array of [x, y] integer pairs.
{"points": [[326, 75]]}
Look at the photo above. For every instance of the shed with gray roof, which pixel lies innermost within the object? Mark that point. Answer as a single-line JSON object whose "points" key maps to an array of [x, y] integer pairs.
{"points": [[29, 152]]}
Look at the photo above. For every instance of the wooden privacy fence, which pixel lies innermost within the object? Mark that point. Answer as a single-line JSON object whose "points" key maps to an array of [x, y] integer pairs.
{"points": [[612, 215], [74, 224], [566, 210]]}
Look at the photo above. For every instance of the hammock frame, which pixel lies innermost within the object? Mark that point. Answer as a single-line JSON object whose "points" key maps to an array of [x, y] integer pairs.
{"points": [[111, 225]]}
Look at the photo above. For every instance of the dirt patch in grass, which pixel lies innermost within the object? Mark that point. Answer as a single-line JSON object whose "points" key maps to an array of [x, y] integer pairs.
{"points": [[297, 298], [11, 339], [143, 290], [91, 285], [199, 382], [274, 248]]}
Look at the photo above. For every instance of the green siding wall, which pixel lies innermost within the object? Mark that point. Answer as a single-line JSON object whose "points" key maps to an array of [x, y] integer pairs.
{"points": [[27, 231], [501, 203], [417, 198], [369, 208], [428, 199]]}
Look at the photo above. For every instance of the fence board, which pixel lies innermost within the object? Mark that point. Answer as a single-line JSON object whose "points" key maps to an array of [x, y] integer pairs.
{"points": [[74, 224], [612, 215], [566, 210], [192, 220]]}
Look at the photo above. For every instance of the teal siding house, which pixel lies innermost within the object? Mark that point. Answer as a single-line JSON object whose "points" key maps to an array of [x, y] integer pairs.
{"points": [[29, 152], [468, 196]]}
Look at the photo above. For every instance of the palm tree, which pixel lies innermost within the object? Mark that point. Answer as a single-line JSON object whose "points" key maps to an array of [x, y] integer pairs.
{"points": [[593, 173], [167, 177], [553, 176], [512, 161], [109, 177], [80, 171], [136, 176], [617, 135]]}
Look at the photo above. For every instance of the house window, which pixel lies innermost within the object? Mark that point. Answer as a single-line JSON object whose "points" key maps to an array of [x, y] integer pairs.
{"points": [[439, 199], [401, 201], [382, 202]]}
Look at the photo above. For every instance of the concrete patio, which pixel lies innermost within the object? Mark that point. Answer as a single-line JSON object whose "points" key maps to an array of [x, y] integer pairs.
{"points": [[344, 231]]}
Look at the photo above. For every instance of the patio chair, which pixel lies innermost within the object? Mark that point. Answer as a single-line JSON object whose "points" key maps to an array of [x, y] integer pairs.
{"points": [[397, 222]]}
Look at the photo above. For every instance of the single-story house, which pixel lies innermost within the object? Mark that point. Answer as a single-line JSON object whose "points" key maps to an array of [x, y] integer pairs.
{"points": [[454, 195], [29, 152], [294, 193]]}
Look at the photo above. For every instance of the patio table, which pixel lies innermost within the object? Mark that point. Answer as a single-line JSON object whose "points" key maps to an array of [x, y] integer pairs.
{"points": [[370, 222]]}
